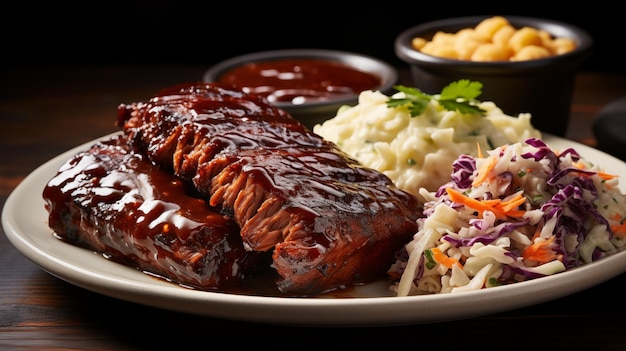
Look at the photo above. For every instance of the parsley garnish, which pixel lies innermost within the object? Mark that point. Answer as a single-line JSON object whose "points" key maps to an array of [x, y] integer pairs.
{"points": [[457, 96]]}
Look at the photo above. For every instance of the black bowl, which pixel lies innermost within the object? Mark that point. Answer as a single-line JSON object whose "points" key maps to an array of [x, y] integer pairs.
{"points": [[609, 128], [542, 87]]}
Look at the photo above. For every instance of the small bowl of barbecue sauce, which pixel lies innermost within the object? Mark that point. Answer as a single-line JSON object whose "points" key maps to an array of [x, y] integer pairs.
{"points": [[310, 84]]}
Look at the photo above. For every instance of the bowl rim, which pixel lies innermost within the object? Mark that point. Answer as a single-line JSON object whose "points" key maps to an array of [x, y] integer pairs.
{"points": [[366, 63], [406, 53]]}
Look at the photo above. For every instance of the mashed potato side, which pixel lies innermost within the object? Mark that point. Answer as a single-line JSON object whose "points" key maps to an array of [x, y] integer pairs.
{"points": [[418, 151]]}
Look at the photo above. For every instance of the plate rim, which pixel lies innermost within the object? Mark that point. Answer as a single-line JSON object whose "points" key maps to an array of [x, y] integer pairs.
{"points": [[360, 310]]}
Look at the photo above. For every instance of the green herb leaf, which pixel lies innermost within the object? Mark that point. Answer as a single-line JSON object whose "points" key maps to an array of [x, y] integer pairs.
{"points": [[457, 96], [463, 88], [414, 97]]}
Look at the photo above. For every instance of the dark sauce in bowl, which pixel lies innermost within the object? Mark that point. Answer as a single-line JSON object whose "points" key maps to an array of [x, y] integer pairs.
{"points": [[300, 80]]}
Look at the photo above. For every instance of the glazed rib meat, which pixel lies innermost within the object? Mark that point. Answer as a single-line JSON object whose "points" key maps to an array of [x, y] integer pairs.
{"points": [[328, 221], [114, 201]]}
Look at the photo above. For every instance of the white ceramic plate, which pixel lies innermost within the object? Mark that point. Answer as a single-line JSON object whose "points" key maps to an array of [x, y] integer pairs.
{"points": [[25, 223]]}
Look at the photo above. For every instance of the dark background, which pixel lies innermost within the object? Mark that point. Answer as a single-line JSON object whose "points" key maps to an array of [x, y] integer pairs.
{"points": [[203, 33]]}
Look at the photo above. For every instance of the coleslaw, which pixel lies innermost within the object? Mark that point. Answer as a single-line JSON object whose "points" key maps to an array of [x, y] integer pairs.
{"points": [[521, 212]]}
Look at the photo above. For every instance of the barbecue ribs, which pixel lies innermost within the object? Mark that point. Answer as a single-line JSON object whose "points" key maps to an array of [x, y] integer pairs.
{"points": [[328, 221], [113, 201]]}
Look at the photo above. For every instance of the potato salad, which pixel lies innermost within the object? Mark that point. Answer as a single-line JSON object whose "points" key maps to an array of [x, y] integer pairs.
{"points": [[417, 151]]}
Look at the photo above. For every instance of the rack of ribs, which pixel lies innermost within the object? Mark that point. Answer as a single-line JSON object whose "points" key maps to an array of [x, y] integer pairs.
{"points": [[112, 200], [327, 221]]}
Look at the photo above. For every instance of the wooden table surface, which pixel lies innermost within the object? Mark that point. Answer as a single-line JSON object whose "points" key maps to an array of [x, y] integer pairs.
{"points": [[46, 111]]}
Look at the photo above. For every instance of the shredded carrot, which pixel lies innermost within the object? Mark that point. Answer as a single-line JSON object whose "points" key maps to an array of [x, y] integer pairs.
{"points": [[536, 235], [479, 152], [511, 206], [484, 171], [502, 209], [606, 176], [603, 175], [540, 251], [579, 165], [443, 259], [620, 228]]}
